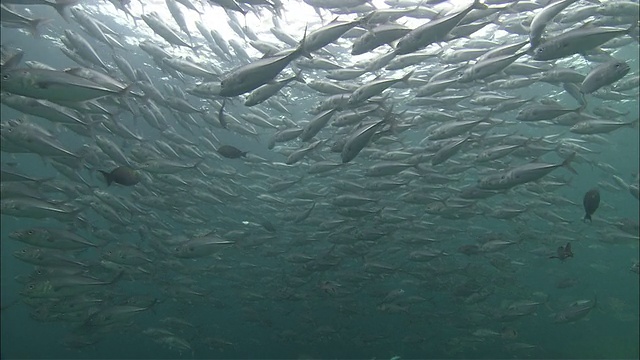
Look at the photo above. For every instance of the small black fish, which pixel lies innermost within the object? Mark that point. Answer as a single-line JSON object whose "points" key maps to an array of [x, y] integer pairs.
{"points": [[267, 225], [591, 201], [122, 175], [231, 152], [563, 252]]}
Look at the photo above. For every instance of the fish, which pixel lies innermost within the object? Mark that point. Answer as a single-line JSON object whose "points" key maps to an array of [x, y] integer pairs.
{"points": [[575, 311], [522, 174], [433, 31], [577, 41], [543, 17], [378, 36], [231, 152], [563, 252], [590, 202], [266, 91], [374, 88], [54, 85], [251, 76], [603, 75], [370, 183], [199, 247], [359, 139], [122, 175], [52, 238]]}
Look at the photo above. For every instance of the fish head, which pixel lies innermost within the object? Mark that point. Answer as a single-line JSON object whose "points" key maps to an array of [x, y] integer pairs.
{"points": [[37, 289], [26, 234], [620, 68]]}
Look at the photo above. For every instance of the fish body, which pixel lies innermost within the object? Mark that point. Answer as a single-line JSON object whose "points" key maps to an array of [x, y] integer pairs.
{"points": [[590, 201]]}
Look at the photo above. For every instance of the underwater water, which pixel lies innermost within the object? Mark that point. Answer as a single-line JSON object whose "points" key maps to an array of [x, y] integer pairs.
{"points": [[385, 235]]}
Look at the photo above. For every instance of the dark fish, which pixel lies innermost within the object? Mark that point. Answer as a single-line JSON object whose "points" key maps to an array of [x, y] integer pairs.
{"points": [[231, 152], [122, 175], [268, 226], [590, 201], [563, 252]]}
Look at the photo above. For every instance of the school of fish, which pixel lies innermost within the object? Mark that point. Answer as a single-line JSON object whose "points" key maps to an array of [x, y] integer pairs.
{"points": [[216, 176]]}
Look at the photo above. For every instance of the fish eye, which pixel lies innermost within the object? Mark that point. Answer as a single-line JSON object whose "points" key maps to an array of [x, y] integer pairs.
{"points": [[31, 286], [6, 77]]}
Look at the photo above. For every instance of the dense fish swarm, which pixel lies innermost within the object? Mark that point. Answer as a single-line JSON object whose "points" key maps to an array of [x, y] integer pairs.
{"points": [[319, 178]]}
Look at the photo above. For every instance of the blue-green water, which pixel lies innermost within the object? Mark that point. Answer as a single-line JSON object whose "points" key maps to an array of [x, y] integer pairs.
{"points": [[329, 286]]}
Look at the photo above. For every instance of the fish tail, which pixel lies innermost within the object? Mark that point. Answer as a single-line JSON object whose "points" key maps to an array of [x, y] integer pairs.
{"points": [[107, 177], [299, 78], [61, 7], [127, 89], [633, 31], [567, 163], [116, 278], [35, 24], [587, 217]]}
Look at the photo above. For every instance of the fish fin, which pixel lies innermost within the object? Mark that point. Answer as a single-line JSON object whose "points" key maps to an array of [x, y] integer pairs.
{"points": [[107, 177], [407, 76], [478, 5], [301, 47], [365, 19]]}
